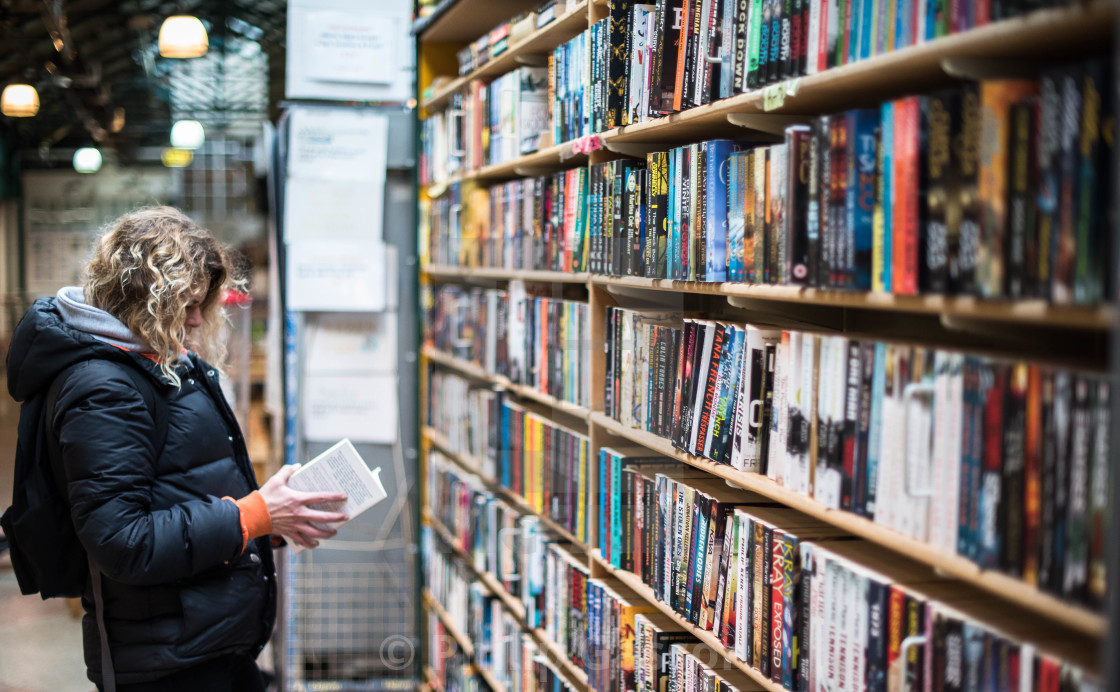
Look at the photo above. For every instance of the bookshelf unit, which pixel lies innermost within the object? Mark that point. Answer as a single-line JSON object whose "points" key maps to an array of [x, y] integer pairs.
{"points": [[1066, 335]]}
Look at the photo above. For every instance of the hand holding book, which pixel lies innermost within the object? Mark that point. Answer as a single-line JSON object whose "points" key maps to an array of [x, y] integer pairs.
{"points": [[334, 488]]}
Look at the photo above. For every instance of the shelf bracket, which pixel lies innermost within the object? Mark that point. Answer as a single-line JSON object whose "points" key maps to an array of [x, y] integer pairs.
{"points": [[981, 69], [634, 149], [531, 60], [767, 123]]}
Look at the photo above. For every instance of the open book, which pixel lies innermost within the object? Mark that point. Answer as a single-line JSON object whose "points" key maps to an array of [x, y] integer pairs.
{"points": [[339, 469]]}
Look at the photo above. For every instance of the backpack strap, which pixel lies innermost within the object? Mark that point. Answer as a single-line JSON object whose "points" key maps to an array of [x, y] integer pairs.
{"points": [[158, 407]]}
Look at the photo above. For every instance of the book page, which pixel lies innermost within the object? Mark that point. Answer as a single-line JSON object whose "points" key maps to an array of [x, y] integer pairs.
{"points": [[340, 469]]}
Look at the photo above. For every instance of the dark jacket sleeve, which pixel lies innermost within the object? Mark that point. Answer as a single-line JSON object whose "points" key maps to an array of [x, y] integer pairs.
{"points": [[107, 441]]}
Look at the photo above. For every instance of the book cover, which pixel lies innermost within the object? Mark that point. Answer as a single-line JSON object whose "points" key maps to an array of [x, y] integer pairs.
{"points": [[1018, 278], [799, 140], [716, 209], [996, 98], [968, 192]]}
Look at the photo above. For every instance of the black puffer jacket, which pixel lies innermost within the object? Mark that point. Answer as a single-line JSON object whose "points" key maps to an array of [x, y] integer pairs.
{"points": [[178, 589]]}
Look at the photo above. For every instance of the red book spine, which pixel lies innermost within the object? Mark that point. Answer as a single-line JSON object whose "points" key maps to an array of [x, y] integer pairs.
{"points": [[904, 242]]}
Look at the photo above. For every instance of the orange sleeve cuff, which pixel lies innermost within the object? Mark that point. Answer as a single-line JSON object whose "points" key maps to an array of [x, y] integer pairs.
{"points": [[255, 519]]}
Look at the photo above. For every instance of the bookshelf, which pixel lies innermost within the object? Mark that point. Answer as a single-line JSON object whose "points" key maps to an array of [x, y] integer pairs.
{"points": [[1069, 335]]}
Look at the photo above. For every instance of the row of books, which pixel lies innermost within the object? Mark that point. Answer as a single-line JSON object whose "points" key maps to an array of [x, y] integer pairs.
{"points": [[534, 341], [621, 641], [813, 610], [1003, 462], [498, 40], [532, 223], [487, 124], [668, 56], [997, 189], [500, 646], [570, 90], [486, 528]]}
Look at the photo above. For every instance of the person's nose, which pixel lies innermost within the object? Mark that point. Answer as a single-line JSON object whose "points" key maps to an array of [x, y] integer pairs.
{"points": [[194, 318]]}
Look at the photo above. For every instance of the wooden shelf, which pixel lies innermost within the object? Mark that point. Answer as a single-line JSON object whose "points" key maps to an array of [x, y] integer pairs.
{"points": [[1025, 312], [431, 680], [538, 43], [472, 465], [511, 604], [1008, 588], [462, 21], [474, 371], [501, 274], [460, 638]]}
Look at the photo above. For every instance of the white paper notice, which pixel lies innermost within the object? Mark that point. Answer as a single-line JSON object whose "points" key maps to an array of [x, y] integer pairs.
{"points": [[336, 174], [352, 47], [332, 276], [361, 407], [351, 344], [347, 145], [340, 469]]}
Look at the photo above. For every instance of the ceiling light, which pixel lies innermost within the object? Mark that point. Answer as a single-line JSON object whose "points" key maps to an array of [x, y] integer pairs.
{"points": [[173, 157], [182, 36], [187, 134], [87, 160], [19, 101]]}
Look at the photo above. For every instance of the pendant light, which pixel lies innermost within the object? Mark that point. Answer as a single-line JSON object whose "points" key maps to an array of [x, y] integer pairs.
{"points": [[19, 101], [187, 134], [87, 160], [183, 36]]}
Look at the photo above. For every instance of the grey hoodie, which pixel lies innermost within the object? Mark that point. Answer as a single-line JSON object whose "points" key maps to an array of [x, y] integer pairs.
{"points": [[95, 321]]}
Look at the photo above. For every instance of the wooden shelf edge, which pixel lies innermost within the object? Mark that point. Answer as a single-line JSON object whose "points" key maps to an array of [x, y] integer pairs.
{"points": [[1026, 312], [431, 680], [502, 274], [513, 606], [461, 639], [523, 391], [708, 638], [473, 466], [545, 38], [1032, 312], [1008, 588]]}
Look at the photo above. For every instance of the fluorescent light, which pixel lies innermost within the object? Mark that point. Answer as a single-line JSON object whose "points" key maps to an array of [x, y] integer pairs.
{"points": [[87, 160], [183, 36], [19, 101], [187, 134]]}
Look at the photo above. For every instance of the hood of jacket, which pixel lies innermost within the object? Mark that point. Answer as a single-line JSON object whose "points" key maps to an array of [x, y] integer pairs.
{"points": [[45, 343]]}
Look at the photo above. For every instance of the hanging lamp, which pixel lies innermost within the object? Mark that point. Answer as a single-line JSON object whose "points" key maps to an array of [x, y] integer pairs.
{"points": [[87, 160], [187, 134], [183, 36], [19, 101]]}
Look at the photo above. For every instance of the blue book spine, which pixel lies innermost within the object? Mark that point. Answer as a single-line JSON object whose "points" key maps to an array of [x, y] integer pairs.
{"points": [[903, 14], [699, 553], [875, 434], [886, 141], [603, 502], [972, 429], [866, 19], [864, 188], [736, 222], [616, 518], [855, 13], [719, 153]]}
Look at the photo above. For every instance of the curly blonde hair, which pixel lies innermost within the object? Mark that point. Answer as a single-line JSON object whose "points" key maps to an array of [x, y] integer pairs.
{"points": [[146, 267]]}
